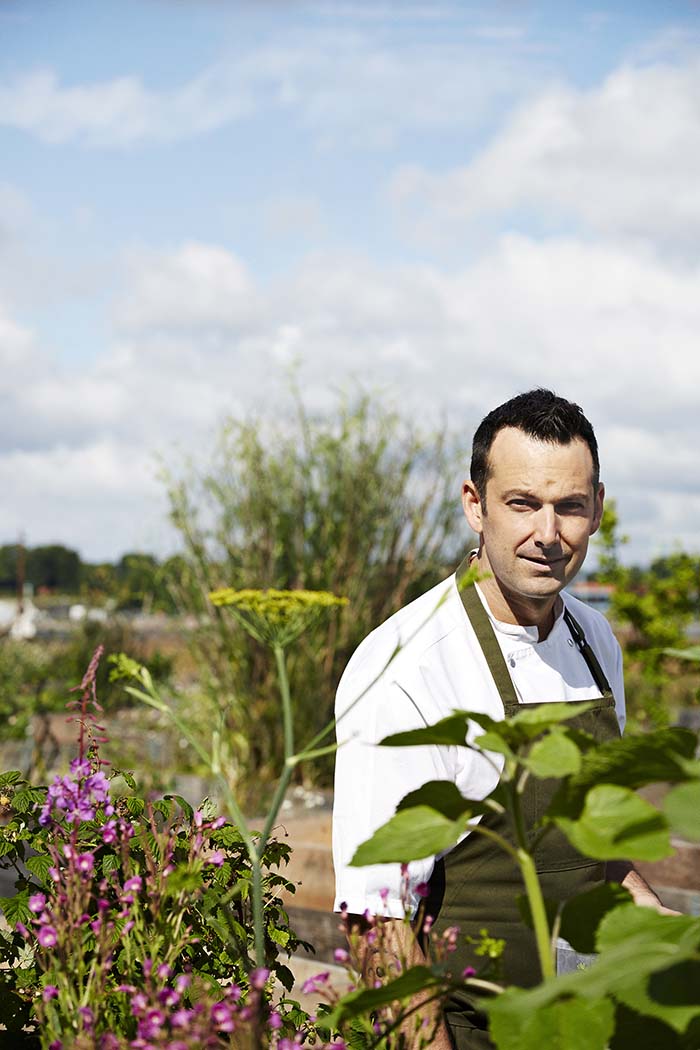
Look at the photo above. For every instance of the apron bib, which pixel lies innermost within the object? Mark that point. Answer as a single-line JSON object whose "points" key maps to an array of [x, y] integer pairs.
{"points": [[476, 884]]}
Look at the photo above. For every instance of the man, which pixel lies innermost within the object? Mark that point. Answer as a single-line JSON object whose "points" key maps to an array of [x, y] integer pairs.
{"points": [[534, 499]]}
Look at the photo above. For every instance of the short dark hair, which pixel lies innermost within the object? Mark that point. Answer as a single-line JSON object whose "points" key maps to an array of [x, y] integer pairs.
{"points": [[539, 413]]}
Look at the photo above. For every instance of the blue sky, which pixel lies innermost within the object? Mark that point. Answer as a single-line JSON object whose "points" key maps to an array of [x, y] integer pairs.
{"points": [[447, 201]]}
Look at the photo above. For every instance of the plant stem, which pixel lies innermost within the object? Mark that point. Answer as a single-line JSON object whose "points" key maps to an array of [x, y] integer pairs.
{"points": [[286, 701], [533, 889]]}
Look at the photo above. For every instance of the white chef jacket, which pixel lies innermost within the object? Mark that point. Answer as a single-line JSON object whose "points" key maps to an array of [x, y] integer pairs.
{"points": [[438, 669]]}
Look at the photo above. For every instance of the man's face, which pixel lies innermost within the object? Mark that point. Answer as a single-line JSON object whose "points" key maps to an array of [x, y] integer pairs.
{"points": [[540, 512]]}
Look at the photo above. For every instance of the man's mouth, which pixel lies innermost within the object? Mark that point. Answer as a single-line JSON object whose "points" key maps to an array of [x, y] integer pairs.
{"points": [[535, 560]]}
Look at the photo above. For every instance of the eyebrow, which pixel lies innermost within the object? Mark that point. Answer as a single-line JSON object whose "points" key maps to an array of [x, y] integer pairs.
{"points": [[532, 495]]}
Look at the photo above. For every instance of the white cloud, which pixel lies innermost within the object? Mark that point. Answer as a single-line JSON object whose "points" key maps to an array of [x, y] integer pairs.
{"points": [[611, 327], [343, 87], [622, 158]]}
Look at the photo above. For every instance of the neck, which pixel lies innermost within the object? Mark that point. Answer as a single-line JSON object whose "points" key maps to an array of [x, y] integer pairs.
{"points": [[526, 611]]}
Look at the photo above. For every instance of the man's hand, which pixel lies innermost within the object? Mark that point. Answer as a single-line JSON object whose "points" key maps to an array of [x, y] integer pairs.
{"points": [[629, 878], [383, 951]]}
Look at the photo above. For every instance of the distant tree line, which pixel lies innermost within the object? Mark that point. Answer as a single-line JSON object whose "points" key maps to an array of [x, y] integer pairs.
{"points": [[134, 581]]}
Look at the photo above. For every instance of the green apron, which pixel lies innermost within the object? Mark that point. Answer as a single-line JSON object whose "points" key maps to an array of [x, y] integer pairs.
{"points": [[476, 884]]}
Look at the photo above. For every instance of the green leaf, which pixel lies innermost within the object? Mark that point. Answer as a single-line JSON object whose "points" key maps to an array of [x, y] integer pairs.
{"points": [[280, 937], [441, 795], [630, 762], [682, 809], [16, 909], [27, 798], [618, 825], [110, 862], [366, 1001], [643, 1033], [10, 777], [450, 730], [6, 846], [555, 755], [656, 982], [566, 1024], [183, 804], [542, 716], [410, 835], [39, 865], [135, 805], [582, 915], [127, 777]]}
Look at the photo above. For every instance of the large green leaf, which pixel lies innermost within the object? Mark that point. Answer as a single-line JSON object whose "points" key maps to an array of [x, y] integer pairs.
{"points": [[450, 731], [633, 943], [616, 824], [665, 755], [39, 864], [410, 835], [365, 1001], [682, 809], [441, 795], [565, 1024], [582, 915], [663, 977], [554, 755], [16, 909]]}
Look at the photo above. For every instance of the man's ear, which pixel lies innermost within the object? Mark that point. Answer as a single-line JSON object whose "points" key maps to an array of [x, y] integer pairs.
{"points": [[473, 511], [598, 509]]}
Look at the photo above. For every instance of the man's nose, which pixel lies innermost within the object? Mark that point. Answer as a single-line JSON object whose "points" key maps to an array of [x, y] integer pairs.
{"points": [[547, 530]]}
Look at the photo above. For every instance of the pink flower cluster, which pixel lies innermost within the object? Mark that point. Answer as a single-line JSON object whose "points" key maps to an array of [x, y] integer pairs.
{"points": [[76, 797]]}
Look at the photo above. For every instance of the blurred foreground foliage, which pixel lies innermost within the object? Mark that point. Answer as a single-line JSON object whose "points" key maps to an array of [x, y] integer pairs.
{"points": [[357, 502], [652, 610]]}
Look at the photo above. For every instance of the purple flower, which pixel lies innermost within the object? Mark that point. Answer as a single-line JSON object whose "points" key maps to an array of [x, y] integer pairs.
{"points": [[313, 984], [55, 874], [181, 1018], [258, 977], [216, 858], [340, 955], [422, 889], [275, 1021], [133, 884], [56, 1045], [21, 928], [85, 863], [222, 1017], [87, 1016], [37, 902], [139, 1003], [109, 832], [468, 972], [47, 937], [50, 991], [164, 972]]}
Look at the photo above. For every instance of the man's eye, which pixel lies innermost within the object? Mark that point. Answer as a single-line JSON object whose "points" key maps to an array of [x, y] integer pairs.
{"points": [[570, 507], [521, 503]]}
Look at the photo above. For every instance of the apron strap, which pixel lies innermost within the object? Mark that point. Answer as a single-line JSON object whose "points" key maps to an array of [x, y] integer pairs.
{"points": [[486, 636], [587, 653]]}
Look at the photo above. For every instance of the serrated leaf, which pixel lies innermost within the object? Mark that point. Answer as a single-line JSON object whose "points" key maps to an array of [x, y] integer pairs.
{"points": [[12, 776], [571, 1024], [135, 805], [555, 755], [277, 936], [410, 835], [39, 864], [27, 798], [582, 914], [110, 862], [6, 846], [616, 824], [16, 909], [682, 809]]}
